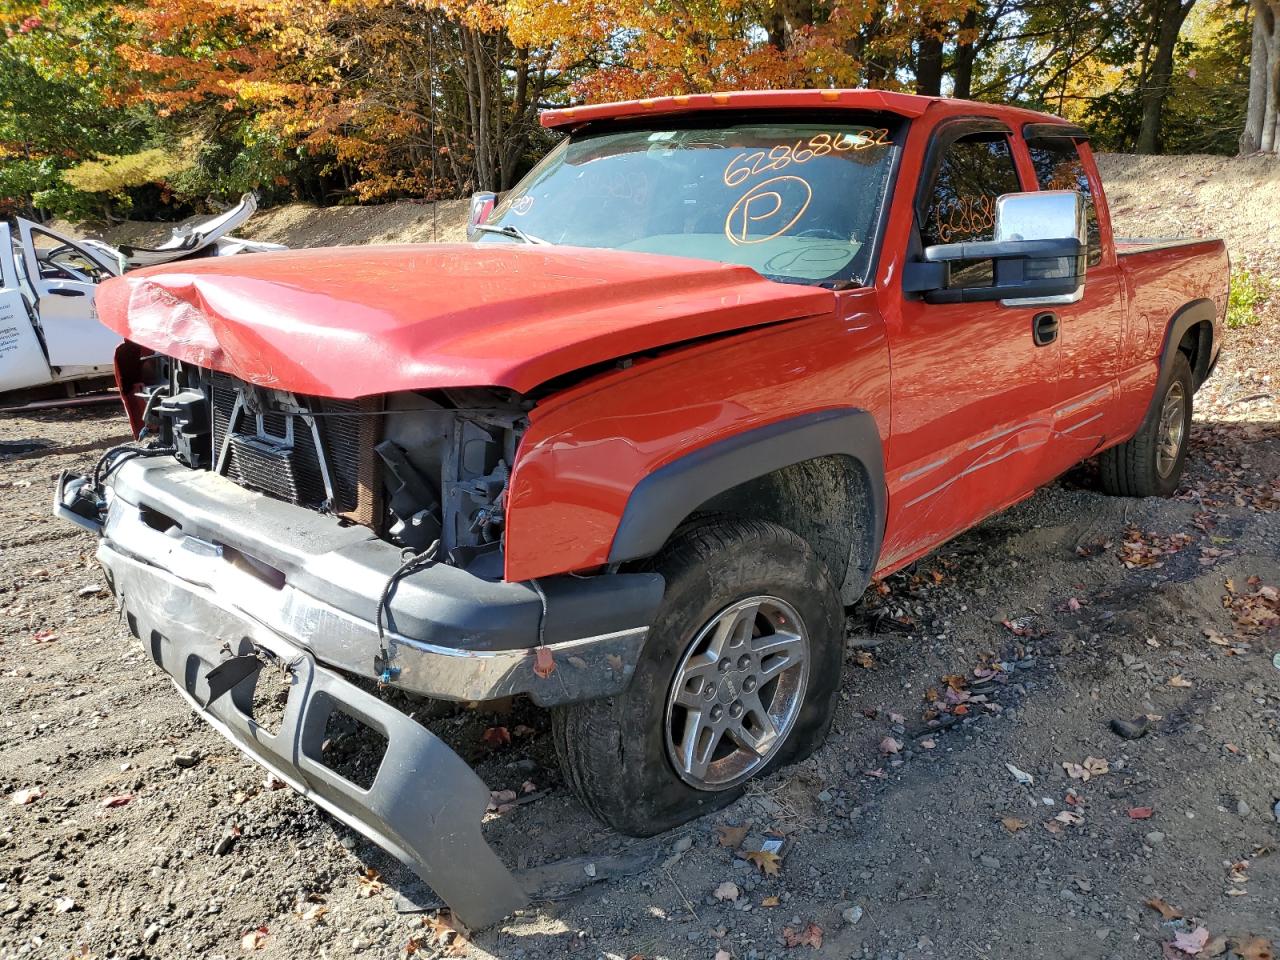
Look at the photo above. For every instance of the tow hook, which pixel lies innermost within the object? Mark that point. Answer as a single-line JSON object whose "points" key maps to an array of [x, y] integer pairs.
{"points": [[75, 500]]}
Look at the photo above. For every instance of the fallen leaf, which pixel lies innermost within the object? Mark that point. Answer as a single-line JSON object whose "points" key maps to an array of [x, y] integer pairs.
{"points": [[1192, 942], [444, 932], [1020, 775], [1069, 817], [254, 940], [864, 659], [1092, 767], [369, 883], [768, 861], [890, 746], [25, 796], [1140, 813], [810, 936], [313, 913], [1013, 824], [1096, 766], [544, 664], [500, 798], [1163, 908], [1215, 947], [727, 892], [496, 736], [1255, 948], [119, 800], [770, 902], [731, 837], [1178, 680]]}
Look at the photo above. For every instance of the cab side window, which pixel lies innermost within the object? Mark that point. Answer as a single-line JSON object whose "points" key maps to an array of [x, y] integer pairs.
{"points": [[961, 204], [1059, 167], [60, 259]]}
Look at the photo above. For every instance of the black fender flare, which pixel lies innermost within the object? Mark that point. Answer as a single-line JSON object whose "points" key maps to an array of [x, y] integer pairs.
{"points": [[661, 501], [1188, 316]]}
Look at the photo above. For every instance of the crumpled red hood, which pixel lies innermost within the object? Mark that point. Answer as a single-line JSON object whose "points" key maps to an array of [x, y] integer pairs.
{"points": [[352, 321]]}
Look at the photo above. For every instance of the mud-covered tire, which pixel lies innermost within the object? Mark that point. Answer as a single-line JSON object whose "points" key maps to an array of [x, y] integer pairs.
{"points": [[614, 751], [1150, 464]]}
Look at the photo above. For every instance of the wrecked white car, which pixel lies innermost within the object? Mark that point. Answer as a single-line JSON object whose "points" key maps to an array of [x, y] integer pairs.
{"points": [[49, 329]]}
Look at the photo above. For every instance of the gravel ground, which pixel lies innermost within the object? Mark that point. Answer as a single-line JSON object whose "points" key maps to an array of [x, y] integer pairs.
{"points": [[129, 829]]}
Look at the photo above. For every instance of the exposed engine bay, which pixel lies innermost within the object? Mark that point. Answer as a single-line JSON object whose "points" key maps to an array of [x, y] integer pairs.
{"points": [[418, 468]]}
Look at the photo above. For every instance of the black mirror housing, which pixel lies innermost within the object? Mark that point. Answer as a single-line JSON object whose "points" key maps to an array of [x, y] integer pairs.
{"points": [[1022, 269], [1038, 255]]}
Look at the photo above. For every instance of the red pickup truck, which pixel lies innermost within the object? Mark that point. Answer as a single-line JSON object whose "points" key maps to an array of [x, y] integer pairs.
{"points": [[715, 363]]}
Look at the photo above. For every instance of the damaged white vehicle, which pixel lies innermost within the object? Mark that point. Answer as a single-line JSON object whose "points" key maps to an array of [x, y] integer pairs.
{"points": [[49, 329]]}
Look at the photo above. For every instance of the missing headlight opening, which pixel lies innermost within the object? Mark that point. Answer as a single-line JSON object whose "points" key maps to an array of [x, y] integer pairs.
{"points": [[416, 468]]}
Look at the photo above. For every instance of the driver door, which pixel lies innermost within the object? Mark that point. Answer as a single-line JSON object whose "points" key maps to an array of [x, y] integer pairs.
{"points": [[22, 362], [63, 277], [972, 392]]}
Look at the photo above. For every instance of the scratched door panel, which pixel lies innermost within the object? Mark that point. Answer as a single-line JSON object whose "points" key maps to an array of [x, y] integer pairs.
{"points": [[972, 395]]}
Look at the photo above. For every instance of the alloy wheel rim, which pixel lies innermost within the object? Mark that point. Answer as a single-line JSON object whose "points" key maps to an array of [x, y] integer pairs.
{"points": [[1172, 429], [737, 692]]}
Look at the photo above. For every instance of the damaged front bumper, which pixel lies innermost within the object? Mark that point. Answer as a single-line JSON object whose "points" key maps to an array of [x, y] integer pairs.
{"points": [[206, 570]]}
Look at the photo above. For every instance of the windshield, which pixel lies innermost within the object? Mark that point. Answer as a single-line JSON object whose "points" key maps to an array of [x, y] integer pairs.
{"points": [[797, 202]]}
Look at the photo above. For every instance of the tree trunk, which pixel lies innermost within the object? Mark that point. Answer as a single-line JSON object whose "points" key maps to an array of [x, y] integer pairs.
{"points": [[1171, 14], [966, 51], [929, 61], [1261, 131]]}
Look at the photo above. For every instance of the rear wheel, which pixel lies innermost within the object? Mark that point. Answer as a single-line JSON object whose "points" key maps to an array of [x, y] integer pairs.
{"points": [[738, 676], [1151, 463]]}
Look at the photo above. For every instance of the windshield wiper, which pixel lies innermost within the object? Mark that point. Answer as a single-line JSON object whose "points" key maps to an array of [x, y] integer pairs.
{"points": [[509, 231]]}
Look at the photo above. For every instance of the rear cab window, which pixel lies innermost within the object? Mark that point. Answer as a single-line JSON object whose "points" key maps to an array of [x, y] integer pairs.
{"points": [[960, 204], [1059, 166]]}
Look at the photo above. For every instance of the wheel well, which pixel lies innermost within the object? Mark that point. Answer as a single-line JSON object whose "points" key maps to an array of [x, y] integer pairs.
{"points": [[826, 500], [1197, 344]]}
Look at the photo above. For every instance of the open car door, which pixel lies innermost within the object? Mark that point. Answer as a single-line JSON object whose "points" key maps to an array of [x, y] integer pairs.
{"points": [[22, 360], [63, 275]]}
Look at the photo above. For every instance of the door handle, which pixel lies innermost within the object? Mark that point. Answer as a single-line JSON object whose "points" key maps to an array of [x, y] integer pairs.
{"points": [[1044, 328], [61, 292]]}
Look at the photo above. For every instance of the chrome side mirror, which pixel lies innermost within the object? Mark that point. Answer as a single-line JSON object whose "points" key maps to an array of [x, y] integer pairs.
{"points": [[1046, 215], [1037, 255]]}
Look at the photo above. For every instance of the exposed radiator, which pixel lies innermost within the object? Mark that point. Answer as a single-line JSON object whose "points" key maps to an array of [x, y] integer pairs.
{"points": [[348, 432]]}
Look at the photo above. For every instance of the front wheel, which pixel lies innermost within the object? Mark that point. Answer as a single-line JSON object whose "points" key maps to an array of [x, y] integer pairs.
{"points": [[739, 675], [1150, 464]]}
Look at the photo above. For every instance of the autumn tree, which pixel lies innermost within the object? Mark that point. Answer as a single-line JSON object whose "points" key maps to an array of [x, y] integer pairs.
{"points": [[1167, 17], [1262, 116]]}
